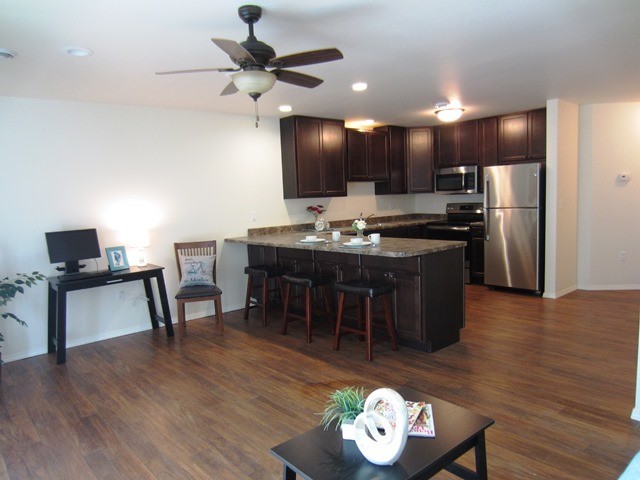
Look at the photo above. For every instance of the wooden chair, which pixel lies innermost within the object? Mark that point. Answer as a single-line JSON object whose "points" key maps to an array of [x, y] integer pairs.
{"points": [[198, 293]]}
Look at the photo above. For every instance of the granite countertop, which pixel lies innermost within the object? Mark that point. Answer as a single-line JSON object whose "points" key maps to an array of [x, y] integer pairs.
{"points": [[379, 224], [389, 247]]}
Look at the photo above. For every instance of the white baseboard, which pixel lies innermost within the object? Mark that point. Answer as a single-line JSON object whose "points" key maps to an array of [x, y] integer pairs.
{"points": [[610, 287], [635, 414], [559, 294]]}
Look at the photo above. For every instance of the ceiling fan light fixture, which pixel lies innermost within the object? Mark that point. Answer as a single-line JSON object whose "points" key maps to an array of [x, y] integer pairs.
{"points": [[254, 82], [447, 112]]}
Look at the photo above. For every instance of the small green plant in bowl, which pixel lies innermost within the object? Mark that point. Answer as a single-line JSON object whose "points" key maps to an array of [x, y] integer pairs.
{"points": [[343, 406]]}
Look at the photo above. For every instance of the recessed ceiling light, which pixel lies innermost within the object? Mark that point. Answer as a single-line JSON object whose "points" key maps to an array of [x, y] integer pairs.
{"points": [[359, 87], [78, 51], [7, 54], [285, 108]]}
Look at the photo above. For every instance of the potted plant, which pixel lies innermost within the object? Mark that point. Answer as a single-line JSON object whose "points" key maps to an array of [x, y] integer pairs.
{"points": [[343, 406], [10, 287]]}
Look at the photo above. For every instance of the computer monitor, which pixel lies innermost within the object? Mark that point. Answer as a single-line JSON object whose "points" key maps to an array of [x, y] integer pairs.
{"points": [[71, 246]]}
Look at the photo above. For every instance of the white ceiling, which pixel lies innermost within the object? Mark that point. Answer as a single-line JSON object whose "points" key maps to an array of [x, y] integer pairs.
{"points": [[494, 56]]}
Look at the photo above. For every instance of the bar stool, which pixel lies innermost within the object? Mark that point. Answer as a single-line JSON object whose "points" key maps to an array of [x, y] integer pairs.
{"points": [[308, 281], [367, 291], [265, 272]]}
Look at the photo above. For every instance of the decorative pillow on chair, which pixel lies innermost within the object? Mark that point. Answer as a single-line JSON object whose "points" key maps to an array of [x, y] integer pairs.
{"points": [[197, 270]]}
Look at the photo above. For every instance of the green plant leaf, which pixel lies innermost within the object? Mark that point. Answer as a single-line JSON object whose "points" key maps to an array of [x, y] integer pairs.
{"points": [[342, 405], [10, 287]]}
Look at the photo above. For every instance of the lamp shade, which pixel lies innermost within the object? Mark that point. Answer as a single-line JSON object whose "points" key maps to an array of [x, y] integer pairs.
{"points": [[254, 81], [448, 113], [138, 238]]}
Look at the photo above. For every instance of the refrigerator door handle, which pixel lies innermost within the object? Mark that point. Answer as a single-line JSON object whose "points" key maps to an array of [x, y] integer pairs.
{"points": [[485, 212], [487, 192]]}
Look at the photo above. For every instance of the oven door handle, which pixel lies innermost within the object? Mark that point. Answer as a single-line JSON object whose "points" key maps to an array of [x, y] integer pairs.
{"points": [[448, 228]]}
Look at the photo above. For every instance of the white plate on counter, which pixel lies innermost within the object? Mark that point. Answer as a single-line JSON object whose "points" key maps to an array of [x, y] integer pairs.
{"points": [[317, 240], [356, 245]]}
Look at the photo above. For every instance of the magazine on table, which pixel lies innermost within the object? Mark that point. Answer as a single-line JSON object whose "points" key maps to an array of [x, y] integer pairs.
{"points": [[420, 417]]}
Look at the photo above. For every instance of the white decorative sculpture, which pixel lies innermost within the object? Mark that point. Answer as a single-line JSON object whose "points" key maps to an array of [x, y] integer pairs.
{"points": [[382, 449]]}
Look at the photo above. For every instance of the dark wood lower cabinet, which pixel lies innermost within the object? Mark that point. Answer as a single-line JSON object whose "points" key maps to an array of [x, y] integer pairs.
{"points": [[477, 255], [428, 297], [406, 301]]}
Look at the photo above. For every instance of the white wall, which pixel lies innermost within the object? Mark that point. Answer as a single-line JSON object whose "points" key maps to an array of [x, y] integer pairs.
{"points": [[608, 219], [561, 270], [187, 175]]}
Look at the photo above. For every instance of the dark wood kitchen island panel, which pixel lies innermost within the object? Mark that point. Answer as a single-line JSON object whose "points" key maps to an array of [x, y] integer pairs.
{"points": [[428, 278]]}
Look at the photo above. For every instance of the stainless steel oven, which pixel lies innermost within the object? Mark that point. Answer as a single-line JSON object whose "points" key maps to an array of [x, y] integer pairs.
{"points": [[464, 223]]}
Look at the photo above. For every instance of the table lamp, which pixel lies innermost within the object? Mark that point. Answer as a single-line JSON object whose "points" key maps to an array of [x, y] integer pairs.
{"points": [[139, 239]]}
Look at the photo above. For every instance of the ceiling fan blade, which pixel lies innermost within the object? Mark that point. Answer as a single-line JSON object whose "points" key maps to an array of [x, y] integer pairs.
{"points": [[199, 70], [307, 58], [296, 78], [237, 52], [229, 89]]}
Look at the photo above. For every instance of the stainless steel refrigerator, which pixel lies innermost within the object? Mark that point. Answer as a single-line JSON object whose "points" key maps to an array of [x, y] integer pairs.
{"points": [[514, 226]]}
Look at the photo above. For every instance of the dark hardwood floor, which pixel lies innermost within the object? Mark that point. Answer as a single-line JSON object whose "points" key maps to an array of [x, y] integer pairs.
{"points": [[558, 377]]}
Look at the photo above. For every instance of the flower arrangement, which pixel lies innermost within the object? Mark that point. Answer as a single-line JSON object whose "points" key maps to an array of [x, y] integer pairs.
{"points": [[359, 224], [316, 210]]}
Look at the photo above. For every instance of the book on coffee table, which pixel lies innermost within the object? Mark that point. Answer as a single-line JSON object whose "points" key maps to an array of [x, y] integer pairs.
{"points": [[420, 417]]}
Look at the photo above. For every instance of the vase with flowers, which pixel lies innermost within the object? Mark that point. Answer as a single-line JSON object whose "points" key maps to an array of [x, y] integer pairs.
{"points": [[317, 211], [359, 224]]}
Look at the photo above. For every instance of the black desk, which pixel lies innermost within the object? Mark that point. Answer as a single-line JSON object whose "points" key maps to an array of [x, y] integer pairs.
{"points": [[57, 321], [323, 455]]}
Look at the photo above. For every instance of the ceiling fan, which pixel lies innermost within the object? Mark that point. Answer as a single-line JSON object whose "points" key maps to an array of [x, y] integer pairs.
{"points": [[254, 59]]}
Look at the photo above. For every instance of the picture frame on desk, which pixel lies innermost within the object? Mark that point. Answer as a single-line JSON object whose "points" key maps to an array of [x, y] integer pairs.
{"points": [[117, 258]]}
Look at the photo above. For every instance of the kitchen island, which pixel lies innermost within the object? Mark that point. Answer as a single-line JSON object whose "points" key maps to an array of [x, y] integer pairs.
{"points": [[428, 277]]}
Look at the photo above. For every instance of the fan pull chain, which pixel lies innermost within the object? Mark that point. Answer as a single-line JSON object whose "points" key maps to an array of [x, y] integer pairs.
{"points": [[257, 114]]}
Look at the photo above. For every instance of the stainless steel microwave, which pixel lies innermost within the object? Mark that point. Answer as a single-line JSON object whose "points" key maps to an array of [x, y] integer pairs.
{"points": [[456, 180]]}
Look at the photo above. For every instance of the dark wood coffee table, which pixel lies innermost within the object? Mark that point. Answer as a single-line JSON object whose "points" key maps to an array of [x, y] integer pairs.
{"points": [[323, 455]]}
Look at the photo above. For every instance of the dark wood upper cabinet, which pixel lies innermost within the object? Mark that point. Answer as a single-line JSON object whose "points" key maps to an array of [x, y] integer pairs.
{"points": [[457, 144], [538, 134], [420, 159], [446, 149], [522, 137], [313, 157], [367, 155], [468, 143], [488, 141], [397, 141]]}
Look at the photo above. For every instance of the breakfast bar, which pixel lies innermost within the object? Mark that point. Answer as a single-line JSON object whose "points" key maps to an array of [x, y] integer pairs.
{"points": [[427, 275]]}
